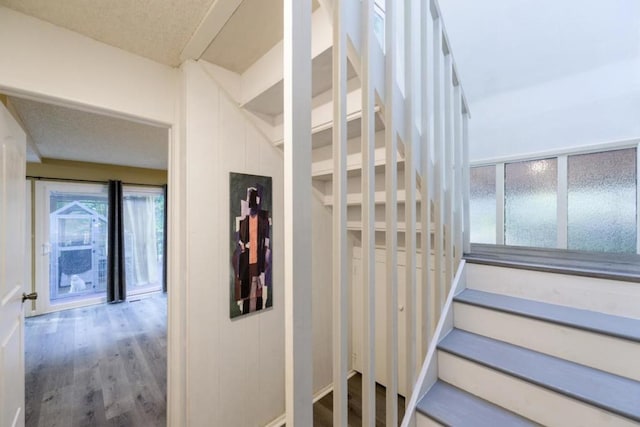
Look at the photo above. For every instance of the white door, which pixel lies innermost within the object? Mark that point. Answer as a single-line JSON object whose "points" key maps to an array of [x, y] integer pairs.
{"points": [[12, 252]]}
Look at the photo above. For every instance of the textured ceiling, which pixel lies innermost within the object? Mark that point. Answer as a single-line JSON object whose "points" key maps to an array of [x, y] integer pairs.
{"points": [[155, 29], [64, 133]]}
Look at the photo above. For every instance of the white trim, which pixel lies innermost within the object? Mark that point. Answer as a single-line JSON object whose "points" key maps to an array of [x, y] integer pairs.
{"points": [[562, 202], [500, 204], [583, 149], [216, 17], [177, 251], [638, 198], [29, 245]]}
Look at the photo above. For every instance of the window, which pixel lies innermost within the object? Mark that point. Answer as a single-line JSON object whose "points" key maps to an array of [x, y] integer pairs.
{"points": [[583, 201], [482, 204], [602, 201], [531, 193]]}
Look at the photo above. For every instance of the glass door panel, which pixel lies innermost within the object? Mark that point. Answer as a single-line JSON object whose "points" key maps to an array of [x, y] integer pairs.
{"points": [[144, 239], [78, 238]]}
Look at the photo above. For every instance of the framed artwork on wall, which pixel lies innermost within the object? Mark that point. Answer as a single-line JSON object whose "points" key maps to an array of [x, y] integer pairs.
{"points": [[251, 287]]}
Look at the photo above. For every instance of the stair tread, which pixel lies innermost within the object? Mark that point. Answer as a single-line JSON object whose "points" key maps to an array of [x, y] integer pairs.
{"points": [[623, 267], [617, 326], [452, 406], [607, 391]]}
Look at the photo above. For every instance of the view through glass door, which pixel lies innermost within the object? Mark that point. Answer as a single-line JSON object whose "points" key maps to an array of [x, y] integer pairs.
{"points": [[71, 234], [78, 241], [143, 238]]}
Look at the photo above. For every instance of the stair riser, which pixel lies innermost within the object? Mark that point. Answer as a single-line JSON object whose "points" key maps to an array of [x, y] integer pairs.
{"points": [[615, 355], [530, 401], [422, 421], [606, 296]]}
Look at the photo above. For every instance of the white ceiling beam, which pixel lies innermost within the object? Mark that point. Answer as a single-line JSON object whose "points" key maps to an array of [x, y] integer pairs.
{"points": [[212, 23], [267, 71]]}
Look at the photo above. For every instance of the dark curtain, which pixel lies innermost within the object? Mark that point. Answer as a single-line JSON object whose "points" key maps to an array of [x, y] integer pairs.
{"points": [[164, 241], [116, 282]]}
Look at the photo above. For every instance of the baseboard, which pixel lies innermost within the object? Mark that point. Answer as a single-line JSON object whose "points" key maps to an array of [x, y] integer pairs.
{"points": [[281, 420]]}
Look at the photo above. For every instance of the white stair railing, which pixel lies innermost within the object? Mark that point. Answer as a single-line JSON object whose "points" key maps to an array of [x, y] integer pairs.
{"points": [[426, 124]]}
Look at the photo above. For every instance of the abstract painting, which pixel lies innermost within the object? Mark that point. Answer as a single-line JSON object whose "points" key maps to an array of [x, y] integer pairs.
{"points": [[251, 243]]}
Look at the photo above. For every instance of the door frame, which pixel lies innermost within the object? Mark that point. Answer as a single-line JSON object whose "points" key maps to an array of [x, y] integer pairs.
{"points": [[176, 239]]}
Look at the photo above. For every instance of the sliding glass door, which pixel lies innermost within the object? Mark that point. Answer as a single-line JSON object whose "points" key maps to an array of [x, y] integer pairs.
{"points": [[71, 242]]}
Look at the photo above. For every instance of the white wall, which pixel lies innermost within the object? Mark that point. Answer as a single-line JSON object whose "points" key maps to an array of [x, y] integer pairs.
{"points": [[43, 60], [593, 107], [545, 75], [235, 369]]}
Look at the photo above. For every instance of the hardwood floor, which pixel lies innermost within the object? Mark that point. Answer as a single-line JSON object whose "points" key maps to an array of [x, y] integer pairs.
{"points": [[103, 365], [323, 409]]}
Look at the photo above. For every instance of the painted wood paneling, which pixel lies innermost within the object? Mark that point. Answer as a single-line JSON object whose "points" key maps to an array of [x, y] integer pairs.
{"points": [[218, 140]]}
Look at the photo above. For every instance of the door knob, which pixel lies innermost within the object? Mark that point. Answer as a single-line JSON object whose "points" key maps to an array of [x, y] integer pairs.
{"points": [[32, 296]]}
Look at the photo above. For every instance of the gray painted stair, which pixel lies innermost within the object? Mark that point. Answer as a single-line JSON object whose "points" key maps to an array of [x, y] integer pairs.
{"points": [[607, 391], [616, 326], [451, 406], [624, 267]]}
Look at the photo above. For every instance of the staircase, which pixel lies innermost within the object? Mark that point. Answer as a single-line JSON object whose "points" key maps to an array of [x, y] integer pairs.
{"points": [[511, 347], [388, 125], [531, 347]]}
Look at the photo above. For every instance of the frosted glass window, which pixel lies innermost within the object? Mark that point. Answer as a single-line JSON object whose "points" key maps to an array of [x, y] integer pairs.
{"points": [[531, 203], [602, 201], [482, 204]]}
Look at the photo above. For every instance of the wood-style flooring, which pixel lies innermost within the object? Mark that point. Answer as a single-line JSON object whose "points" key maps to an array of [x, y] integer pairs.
{"points": [[103, 365], [323, 408]]}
